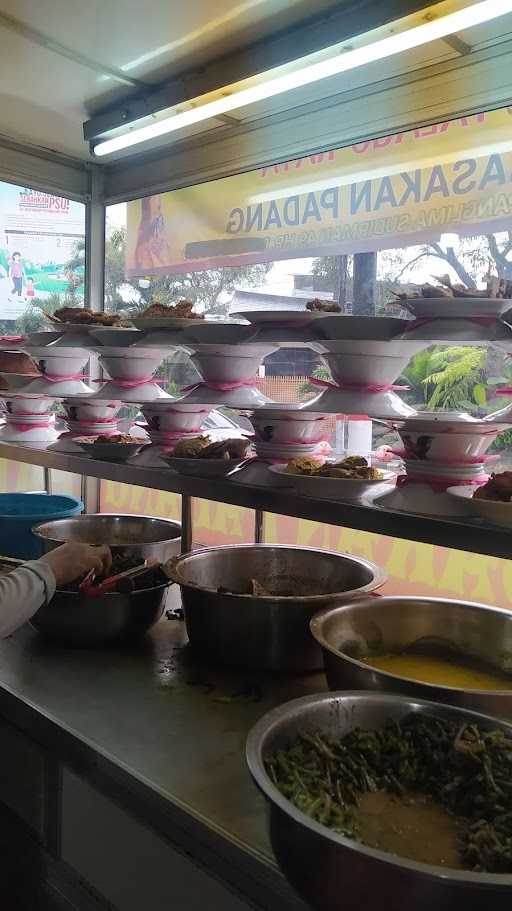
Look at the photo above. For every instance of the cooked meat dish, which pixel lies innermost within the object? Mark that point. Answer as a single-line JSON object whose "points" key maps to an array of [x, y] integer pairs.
{"points": [[83, 315], [317, 305], [203, 448], [184, 309], [351, 468], [498, 487]]}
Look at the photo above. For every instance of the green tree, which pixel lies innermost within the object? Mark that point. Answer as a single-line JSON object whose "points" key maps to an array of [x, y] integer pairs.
{"points": [[451, 378], [211, 289]]}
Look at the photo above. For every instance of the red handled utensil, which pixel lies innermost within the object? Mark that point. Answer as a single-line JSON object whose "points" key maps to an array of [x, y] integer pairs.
{"points": [[110, 583]]}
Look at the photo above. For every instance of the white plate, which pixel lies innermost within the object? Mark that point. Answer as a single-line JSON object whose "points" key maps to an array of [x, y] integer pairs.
{"points": [[493, 511], [42, 339], [9, 434], [161, 322], [285, 447], [461, 332], [161, 439], [66, 443], [205, 468], [210, 333], [380, 405], [245, 397], [64, 389], [333, 488], [420, 499], [438, 471], [395, 348], [81, 328], [150, 457], [134, 351], [47, 353], [375, 328], [457, 307], [115, 336], [284, 317], [147, 392]]}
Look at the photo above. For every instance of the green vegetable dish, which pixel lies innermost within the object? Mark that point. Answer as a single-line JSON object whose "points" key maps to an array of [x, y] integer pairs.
{"points": [[426, 789]]}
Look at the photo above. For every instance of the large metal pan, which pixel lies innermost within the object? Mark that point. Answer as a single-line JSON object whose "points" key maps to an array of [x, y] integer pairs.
{"points": [[135, 536], [335, 873], [263, 631], [75, 619], [390, 624]]}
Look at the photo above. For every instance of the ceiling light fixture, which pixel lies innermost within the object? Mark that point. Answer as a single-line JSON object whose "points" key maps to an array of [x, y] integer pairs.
{"points": [[308, 73]]}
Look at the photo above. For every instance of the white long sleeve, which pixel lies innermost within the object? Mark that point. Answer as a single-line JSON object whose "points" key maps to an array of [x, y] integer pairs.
{"points": [[22, 592]]}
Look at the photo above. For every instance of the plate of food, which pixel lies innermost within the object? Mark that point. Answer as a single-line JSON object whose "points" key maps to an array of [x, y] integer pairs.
{"points": [[333, 480], [491, 501], [313, 310], [115, 447], [456, 300], [167, 316], [70, 319], [200, 456]]}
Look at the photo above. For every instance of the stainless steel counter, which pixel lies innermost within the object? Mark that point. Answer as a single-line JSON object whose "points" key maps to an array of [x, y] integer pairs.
{"points": [[463, 534], [163, 736]]}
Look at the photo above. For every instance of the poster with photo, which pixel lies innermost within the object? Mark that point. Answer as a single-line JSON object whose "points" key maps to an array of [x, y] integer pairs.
{"points": [[39, 236]]}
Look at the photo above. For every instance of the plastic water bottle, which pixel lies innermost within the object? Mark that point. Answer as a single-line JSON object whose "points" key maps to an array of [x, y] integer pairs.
{"points": [[353, 435]]}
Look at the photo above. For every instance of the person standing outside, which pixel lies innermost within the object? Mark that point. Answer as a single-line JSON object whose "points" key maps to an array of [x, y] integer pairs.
{"points": [[16, 272]]}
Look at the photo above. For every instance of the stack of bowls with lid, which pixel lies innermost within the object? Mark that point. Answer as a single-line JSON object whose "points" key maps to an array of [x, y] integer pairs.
{"points": [[85, 417], [365, 358], [28, 419], [286, 431], [132, 374], [167, 422], [440, 450], [228, 375]]}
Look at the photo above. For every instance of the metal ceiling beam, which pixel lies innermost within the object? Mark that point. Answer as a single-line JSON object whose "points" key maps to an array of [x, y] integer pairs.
{"points": [[42, 40], [441, 91], [343, 21]]}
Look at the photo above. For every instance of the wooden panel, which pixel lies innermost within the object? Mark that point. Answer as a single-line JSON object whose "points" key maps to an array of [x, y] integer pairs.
{"points": [[129, 864], [23, 777]]}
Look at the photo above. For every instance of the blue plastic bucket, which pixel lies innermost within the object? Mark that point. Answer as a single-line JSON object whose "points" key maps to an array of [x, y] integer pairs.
{"points": [[19, 512]]}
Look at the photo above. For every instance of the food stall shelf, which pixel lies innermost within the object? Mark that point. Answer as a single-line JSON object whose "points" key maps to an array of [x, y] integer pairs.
{"points": [[463, 534]]}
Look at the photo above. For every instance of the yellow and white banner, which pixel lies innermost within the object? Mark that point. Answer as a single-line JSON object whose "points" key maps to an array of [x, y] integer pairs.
{"points": [[392, 191]]}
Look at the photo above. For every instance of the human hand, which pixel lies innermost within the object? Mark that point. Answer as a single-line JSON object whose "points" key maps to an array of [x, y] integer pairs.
{"points": [[73, 560]]}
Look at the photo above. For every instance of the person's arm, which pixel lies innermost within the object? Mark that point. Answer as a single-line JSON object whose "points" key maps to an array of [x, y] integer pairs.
{"points": [[24, 590]]}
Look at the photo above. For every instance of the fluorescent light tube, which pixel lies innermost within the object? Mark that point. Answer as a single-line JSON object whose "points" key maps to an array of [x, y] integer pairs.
{"points": [[313, 72]]}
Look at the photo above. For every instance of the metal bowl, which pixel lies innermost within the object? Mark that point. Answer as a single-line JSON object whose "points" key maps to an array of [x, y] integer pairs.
{"points": [[265, 631], [335, 873], [131, 535], [385, 625], [75, 619]]}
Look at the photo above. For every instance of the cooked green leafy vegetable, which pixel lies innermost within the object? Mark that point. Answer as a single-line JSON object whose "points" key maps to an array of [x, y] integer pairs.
{"points": [[467, 770]]}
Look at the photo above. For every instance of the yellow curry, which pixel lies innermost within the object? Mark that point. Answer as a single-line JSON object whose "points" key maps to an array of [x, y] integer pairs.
{"points": [[455, 672]]}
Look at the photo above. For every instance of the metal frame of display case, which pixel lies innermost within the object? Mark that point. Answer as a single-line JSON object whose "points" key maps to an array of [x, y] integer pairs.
{"points": [[461, 534]]}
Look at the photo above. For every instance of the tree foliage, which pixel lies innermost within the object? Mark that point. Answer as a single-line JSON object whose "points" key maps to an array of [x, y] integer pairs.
{"points": [[211, 290], [452, 378]]}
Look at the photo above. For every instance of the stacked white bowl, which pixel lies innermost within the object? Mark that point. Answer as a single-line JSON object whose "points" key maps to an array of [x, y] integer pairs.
{"points": [[287, 431], [441, 450], [365, 355], [90, 418], [28, 419], [167, 423], [61, 371], [132, 374], [228, 375]]}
